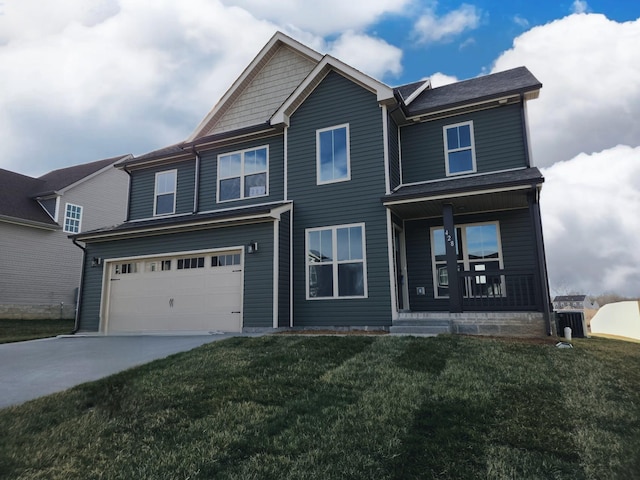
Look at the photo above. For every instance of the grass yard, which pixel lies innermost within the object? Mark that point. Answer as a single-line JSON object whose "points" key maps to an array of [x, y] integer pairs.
{"points": [[352, 407], [21, 330]]}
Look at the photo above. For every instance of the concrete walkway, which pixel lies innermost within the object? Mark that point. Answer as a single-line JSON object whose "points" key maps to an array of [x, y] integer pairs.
{"points": [[32, 369]]}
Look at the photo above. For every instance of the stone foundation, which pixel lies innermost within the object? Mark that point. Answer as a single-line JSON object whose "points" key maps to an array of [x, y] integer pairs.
{"points": [[37, 312], [508, 324]]}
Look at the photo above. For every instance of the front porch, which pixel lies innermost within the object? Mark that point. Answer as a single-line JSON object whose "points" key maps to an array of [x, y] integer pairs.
{"points": [[469, 259]]}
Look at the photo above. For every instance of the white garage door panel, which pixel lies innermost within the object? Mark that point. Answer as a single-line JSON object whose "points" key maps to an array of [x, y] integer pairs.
{"points": [[197, 299]]}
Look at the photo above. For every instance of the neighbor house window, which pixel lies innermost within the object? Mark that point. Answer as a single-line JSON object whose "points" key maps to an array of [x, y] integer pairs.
{"points": [[72, 218], [459, 148], [336, 262], [478, 249], [332, 149], [243, 174], [165, 194]]}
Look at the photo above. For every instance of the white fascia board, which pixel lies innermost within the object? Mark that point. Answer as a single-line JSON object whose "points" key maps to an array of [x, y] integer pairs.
{"points": [[456, 195], [418, 91], [252, 69], [95, 174], [384, 93]]}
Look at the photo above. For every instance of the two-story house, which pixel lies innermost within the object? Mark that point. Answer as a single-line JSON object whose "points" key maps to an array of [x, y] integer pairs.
{"points": [[313, 195], [39, 266]]}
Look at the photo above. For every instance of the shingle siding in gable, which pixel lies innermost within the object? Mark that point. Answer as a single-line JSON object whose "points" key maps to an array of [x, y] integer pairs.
{"points": [[499, 144], [143, 189], [337, 101], [209, 172], [278, 78]]}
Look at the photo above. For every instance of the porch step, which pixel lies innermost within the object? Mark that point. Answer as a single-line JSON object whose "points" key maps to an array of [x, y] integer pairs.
{"points": [[425, 327]]}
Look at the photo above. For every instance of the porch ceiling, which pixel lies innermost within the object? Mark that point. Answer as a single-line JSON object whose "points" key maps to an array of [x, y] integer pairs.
{"points": [[468, 194], [462, 204]]}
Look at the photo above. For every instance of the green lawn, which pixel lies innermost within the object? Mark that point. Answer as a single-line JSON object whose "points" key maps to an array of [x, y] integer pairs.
{"points": [[21, 330], [352, 407]]}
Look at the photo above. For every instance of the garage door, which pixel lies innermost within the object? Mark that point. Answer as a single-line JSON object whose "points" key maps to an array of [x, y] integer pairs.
{"points": [[200, 292]]}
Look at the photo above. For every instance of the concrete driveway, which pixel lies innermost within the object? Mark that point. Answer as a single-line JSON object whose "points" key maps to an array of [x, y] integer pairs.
{"points": [[32, 369]]}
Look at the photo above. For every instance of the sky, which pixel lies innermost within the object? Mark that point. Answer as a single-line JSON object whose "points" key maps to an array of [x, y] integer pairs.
{"points": [[82, 80]]}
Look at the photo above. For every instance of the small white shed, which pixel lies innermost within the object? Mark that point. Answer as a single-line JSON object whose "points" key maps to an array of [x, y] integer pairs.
{"points": [[621, 319]]}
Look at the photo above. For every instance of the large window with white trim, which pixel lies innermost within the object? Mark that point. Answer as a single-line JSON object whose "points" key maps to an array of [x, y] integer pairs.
{"points": [[332, 150], [478, 249], [165, 192], [336, 262], [243, 174], [459, 148], [72, 218]]}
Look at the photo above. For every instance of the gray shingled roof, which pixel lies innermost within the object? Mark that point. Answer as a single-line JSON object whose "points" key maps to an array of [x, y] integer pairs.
{"points": [[63, 177], [132, 227], [15, 199], [524, 176], [514, 81], [18, 192]]}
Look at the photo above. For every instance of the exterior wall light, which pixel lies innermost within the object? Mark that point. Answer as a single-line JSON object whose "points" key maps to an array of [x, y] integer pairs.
{"points": [[252, 247]]}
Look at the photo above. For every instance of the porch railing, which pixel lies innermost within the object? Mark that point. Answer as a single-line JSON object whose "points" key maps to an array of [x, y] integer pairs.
{"points": [[499, 289]]}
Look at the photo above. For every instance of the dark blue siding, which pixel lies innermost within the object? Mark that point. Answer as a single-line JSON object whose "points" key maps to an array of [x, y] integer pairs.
{"points": [[499, 144], [337, 101], [258, 268], [284, 272], [143, 188], [394, 154]]}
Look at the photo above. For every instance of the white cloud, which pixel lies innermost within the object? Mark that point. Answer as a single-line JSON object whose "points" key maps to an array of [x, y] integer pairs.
{"points": [[590, 208], [439, 79], [579, 6], [370, 55], [430, 28], [521, 21], [324, 18], [130, 77], [590, 98]]}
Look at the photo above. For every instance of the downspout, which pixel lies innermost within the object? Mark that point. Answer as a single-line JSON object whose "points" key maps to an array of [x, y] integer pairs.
{"points": [[534, 209], [76, 324], [196, 186], [128, 217]]}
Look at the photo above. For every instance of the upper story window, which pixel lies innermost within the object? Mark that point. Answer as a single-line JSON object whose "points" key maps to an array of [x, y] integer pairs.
{"points": [[165, 194], [72, 218], [459, 148], [332, 150], [336, 262], [243, 174]]}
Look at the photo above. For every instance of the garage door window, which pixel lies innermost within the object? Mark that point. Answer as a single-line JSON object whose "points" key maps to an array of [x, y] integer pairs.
{"points": [[125, 268], [225, 260], [159, 266], [186, 263]]}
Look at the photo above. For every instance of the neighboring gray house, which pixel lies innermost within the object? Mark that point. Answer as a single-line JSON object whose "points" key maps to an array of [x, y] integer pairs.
{"points": [[313, 195], [39, 265], [574, 302]]}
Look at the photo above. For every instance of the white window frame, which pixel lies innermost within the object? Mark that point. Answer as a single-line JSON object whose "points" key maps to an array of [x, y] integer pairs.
{"points": [[447, 151], [335, 262], [242, 175], [319, 181], [72, 221], [465, 253], [174, 192]]}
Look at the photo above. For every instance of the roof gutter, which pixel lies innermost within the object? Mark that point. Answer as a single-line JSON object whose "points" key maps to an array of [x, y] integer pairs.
{"points": [[76, 324]]}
